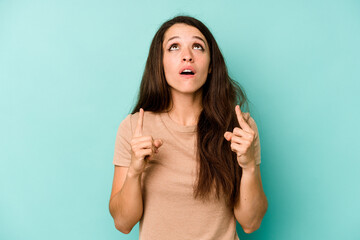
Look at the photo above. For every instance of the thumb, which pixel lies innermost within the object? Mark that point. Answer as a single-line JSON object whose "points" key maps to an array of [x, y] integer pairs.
{"points": [[228, 135], [158, 143]]}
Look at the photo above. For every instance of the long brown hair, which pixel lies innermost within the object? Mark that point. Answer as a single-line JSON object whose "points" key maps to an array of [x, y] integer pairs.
{"points": [[218, 165]]}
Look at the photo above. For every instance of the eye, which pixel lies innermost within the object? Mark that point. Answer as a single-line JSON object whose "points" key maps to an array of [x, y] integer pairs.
{"points": [[198, 46], [173, 47]]}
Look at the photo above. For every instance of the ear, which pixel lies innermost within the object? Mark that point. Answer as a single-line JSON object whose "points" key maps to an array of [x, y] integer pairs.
{"points": [[209, 69]]}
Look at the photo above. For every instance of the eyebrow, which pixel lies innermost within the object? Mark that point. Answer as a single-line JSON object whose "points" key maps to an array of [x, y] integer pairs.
{"points": [[197, 37]]}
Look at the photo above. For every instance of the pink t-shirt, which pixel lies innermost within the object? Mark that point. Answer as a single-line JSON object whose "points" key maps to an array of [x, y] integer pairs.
{"points": [[170, 210]]}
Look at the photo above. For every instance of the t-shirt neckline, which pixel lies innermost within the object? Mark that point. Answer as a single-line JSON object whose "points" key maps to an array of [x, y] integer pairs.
{"points": [[176, 126]]}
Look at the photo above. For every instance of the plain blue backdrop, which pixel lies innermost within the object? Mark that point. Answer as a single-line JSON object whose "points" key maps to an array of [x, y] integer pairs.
{"points": [[70, 72]]}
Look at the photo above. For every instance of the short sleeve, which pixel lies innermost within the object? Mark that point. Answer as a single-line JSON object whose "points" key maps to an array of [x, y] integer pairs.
{"points": [[256, 141], [122, 153]]}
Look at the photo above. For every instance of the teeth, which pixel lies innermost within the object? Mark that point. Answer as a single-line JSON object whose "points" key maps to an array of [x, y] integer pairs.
{"points": [[187, 70]]}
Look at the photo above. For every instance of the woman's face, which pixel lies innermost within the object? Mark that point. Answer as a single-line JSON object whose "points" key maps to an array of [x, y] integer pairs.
{"points": [[185, 48]]}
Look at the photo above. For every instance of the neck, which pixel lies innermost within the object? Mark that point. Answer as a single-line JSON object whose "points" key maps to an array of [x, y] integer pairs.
{"points": [[186, 108]]}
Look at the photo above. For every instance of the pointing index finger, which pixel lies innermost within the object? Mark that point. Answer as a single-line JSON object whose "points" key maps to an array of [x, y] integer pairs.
{"points": [[139, 126], [241, 119]]}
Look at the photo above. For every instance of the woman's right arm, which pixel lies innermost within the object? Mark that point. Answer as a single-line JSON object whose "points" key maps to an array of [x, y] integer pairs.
{"points": [[126, 202], [126, 205]]}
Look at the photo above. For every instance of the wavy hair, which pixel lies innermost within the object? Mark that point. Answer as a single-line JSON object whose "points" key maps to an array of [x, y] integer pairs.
{"points": [[218, 166]]}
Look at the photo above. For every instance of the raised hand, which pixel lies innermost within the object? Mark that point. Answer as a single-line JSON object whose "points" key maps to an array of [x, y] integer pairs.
{"points": [[143, 147], [242, 141]]}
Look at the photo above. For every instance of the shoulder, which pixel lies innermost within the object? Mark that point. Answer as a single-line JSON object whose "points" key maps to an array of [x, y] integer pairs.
{"points": [[148, 116], [129, 123], [132, 119]]}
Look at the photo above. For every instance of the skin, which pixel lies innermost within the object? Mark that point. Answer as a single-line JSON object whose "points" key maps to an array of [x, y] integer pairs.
{"points": [[242, 141], [252, 205], [182, 47], [185, 45], [143, 147]]}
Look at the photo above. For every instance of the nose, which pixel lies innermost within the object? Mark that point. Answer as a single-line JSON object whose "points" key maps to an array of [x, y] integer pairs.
{"points": [[187, 56]]}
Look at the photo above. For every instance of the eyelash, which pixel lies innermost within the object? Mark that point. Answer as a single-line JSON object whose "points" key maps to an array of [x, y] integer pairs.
{"points": [[196, 44]]}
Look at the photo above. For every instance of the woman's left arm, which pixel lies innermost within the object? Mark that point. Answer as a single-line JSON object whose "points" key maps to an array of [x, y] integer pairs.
{"points": [[252, 204]]}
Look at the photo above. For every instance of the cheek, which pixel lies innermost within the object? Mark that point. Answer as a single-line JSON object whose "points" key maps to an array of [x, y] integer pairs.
{"points": [[206, 67], [206, 62], [168, 65]]}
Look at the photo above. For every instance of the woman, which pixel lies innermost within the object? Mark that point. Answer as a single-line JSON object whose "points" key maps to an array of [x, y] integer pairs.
{"points": [[187, 164]]}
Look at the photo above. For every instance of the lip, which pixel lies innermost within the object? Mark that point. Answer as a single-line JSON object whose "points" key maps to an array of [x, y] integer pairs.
{"points": [[187, 67]]}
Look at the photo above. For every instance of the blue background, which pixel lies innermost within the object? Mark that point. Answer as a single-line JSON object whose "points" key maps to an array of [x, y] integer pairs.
{"points": [[70, 72]]}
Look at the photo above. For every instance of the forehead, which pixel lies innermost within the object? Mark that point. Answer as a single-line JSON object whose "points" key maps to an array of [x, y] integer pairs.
{"points": [[182, 31]]}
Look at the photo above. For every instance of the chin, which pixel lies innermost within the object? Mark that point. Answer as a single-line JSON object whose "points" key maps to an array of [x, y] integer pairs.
{"points": [[186, 90]]}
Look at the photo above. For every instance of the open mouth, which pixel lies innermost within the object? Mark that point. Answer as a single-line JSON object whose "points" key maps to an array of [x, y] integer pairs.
{"points": [[187, 72]]}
